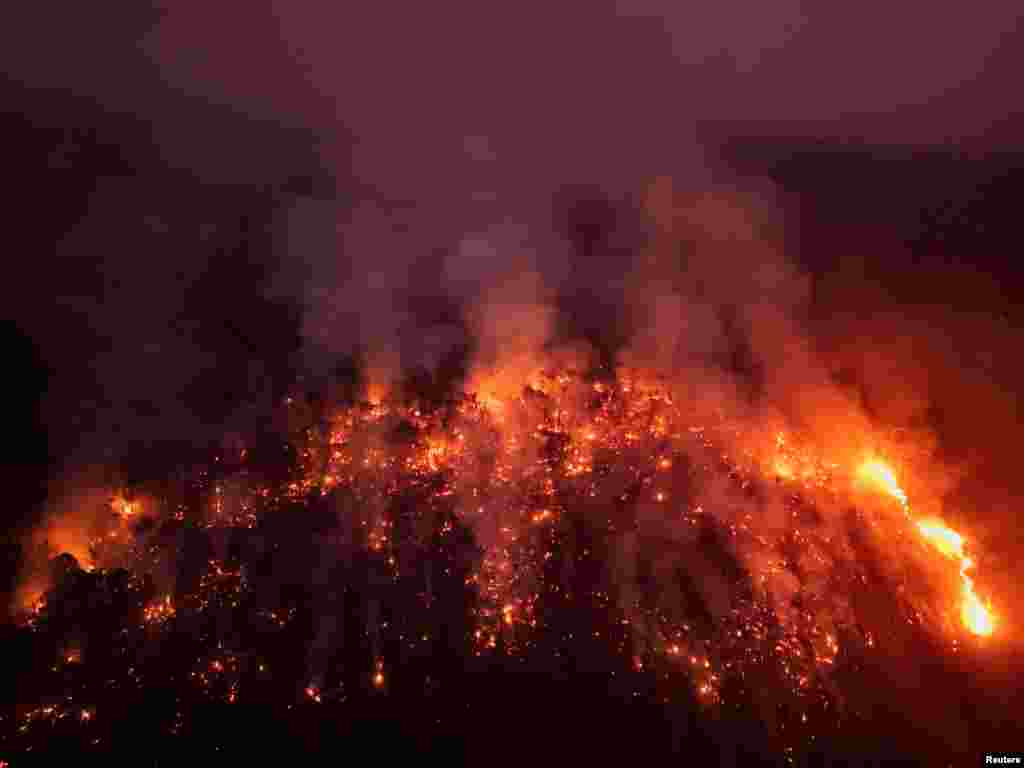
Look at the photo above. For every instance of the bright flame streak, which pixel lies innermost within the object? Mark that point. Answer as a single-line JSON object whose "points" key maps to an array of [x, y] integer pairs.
{"points": [[879, 474], [947, 541], [977, 617]]}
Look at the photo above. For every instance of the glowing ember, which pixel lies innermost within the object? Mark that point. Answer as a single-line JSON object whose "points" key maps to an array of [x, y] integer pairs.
{"points": [[159, 611]]}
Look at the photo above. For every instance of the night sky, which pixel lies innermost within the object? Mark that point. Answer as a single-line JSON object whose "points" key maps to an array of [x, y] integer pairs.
{"points": [[212, 209]]}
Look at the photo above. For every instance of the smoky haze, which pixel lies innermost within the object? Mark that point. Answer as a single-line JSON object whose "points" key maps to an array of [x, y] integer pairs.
{"points": [[543, 170], [483, 176], [450, 132]]}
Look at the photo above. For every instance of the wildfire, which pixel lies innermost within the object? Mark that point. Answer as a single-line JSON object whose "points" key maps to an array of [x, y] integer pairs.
{"points": [[633, 416], [512, 468], [976, 617]]}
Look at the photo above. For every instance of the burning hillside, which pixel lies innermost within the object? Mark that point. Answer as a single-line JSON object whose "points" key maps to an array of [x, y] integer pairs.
{"points": [[739, 567]]}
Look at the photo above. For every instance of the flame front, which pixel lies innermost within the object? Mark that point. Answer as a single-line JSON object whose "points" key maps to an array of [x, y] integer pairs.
{"points": [[976, 616]]}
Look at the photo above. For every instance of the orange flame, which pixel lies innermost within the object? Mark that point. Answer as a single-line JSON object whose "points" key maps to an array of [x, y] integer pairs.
{"points": [[974, 614], [947, 541], [976, 617], [881, 476]]}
